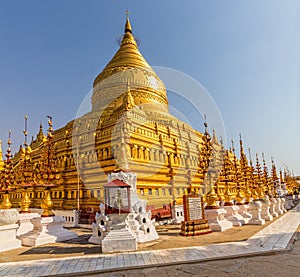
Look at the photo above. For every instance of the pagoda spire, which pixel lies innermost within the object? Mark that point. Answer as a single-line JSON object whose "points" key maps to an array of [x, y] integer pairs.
{"points": [[8, 177], [214, 138], [242, 153], [244, 161], [274, 178], [252, 181], [40, 136], [281, 178], [128, 101], [47, 172], [227, 179], [274, 171], [239, 196], [25, 132], [266, 177], [205, 126], [26, 172], [127, 24], [1, 157], [260, 184], [245, 171], [205, 154]]}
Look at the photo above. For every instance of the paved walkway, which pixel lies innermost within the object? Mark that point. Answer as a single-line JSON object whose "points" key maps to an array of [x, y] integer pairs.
{"points": [[271, 239]]}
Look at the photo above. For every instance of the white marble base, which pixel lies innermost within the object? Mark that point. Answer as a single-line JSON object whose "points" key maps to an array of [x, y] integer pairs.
{"points": [[8, 237], [25, 225], [47, 230], [142, 227], [8, 216], [287, 205], [255, 210], [282, 202], [119, 241], [216, 220], [244, 212], [232, 214], [177, 214], [100, 229], [278, 209], [265, 209], [289, 201], [273, 207]]}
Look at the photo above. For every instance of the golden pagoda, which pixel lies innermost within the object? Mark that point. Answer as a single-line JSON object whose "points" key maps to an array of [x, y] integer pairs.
{"points": [[7, 177], [239, 197], [260, 185], [226, 180], [245, 173], [129, 128]]}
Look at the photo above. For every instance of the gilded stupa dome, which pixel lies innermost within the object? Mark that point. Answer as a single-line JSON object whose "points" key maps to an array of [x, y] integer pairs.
{"points": [[128, 66]]}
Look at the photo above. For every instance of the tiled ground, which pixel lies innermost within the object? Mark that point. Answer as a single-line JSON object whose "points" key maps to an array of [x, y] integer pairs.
{"points": [[274, 237]]}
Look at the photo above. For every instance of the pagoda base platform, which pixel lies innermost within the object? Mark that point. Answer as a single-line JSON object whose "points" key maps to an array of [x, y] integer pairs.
{"points": [[216, 220], [25, 224], [255, 209], [273, 207], [47, 230], [119, 241], [278, 206], [8, 237], [195, 227], [265, 210], [244, 212], [282, 203], [232, 214]]}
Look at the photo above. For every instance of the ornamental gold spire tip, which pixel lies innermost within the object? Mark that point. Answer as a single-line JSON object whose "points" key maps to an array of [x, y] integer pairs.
{"points": [[127, 24]]}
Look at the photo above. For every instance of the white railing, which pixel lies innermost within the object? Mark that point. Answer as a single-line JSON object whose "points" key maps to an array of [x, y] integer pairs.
{"points": [[71, 216]]}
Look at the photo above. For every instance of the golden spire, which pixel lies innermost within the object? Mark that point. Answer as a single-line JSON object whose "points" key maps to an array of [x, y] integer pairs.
{"points": [[252, 180], [274, 171], [9, 178], [242, 153], [214, 138], [128, 101], [265, 172], [259, 179], [266, 177], [281, 178], [26, 172], [127, 24], [1, 158], [245, 172], [128, 64], [48, 171], [25, 132], [237, 178], [40, 136]]}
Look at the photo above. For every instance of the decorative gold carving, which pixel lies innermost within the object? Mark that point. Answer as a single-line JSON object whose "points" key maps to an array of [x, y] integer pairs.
{"points": [[25, 203], [6, 204], [211, 199], [47, 204]]}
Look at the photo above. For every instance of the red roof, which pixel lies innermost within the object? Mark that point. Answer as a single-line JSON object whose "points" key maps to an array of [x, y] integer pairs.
{"points": [[117, 183]]}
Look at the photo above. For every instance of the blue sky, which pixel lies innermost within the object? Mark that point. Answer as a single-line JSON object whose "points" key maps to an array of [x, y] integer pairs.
{"points": [[245, 53]]}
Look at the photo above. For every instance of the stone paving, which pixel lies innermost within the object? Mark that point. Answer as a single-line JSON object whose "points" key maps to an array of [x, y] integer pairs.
{"points": [[272, 239]]}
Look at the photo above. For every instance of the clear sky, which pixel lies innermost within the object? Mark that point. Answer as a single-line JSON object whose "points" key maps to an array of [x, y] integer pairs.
{"points": [[245, 53]]}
